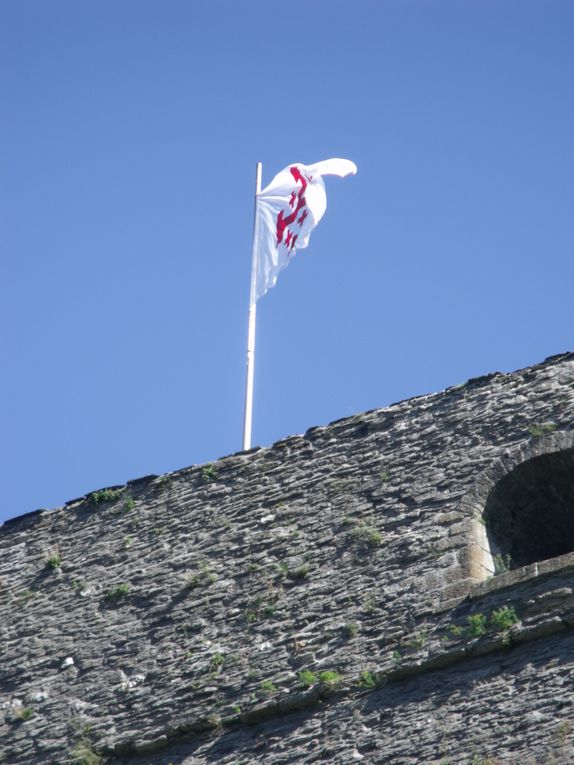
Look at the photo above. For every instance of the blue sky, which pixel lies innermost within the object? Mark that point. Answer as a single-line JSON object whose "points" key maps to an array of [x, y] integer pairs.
{"points": [[130, 133]]}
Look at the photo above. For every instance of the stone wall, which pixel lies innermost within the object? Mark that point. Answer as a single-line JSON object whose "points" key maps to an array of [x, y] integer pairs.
{"points": [[325, 600]]}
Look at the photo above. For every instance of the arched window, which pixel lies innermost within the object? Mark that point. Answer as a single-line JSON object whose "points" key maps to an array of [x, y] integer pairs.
{"points": [[520, 511], [529, 513]]}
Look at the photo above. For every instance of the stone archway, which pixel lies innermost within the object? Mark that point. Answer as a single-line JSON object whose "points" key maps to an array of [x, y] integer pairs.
{"points": [[521, 508], [529, 514]]}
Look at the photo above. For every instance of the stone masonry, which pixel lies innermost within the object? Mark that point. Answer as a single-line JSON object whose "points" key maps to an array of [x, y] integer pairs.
{"points": [[396, 587]]}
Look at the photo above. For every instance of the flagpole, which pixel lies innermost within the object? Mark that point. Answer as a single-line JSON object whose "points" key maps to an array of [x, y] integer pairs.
{"points": [[251, 325]]}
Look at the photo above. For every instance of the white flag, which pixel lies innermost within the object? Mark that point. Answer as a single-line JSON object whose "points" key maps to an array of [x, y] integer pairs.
{"points": [[288, 209]]}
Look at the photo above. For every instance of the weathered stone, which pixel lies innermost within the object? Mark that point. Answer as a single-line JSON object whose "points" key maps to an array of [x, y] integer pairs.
{"points": [[317, 601]]}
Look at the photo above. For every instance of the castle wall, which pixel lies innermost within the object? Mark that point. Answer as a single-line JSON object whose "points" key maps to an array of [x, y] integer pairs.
{"points": [[169, 621]]}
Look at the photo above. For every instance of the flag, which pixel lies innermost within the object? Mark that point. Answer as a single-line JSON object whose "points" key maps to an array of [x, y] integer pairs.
{"points": [[287, 210]]}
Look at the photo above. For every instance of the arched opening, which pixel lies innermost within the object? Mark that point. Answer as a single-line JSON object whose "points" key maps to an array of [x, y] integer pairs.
{"points": [[529, 513]]}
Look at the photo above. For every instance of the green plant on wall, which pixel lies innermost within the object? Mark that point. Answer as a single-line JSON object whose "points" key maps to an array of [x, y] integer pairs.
{"points": [[84, 754], [118, 592], [24, 713], [365, 535], [54, 561], [216, 662], [268, 687], [350, 630], [418, 640], [542, 429], [209, 473], [202, 578], [299, 572], [106, 495], [307, 678], [24, 596], [504, 618], [502, 563], [367, 679], [479, 624], [476, 625], [330, 678]]}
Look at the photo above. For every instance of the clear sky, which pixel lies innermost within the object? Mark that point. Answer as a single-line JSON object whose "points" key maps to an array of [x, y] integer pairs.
{"points": [[129, 136]]}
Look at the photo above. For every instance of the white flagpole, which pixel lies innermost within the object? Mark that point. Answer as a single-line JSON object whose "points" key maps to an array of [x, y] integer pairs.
{"points": [[251, 326]]}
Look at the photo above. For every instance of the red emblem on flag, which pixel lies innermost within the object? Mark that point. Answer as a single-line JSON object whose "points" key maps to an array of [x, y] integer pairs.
{"points": [[297, 199]]}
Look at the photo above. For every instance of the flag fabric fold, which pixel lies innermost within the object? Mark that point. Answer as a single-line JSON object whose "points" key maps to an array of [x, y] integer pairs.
{"points": [[287, 210]]}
